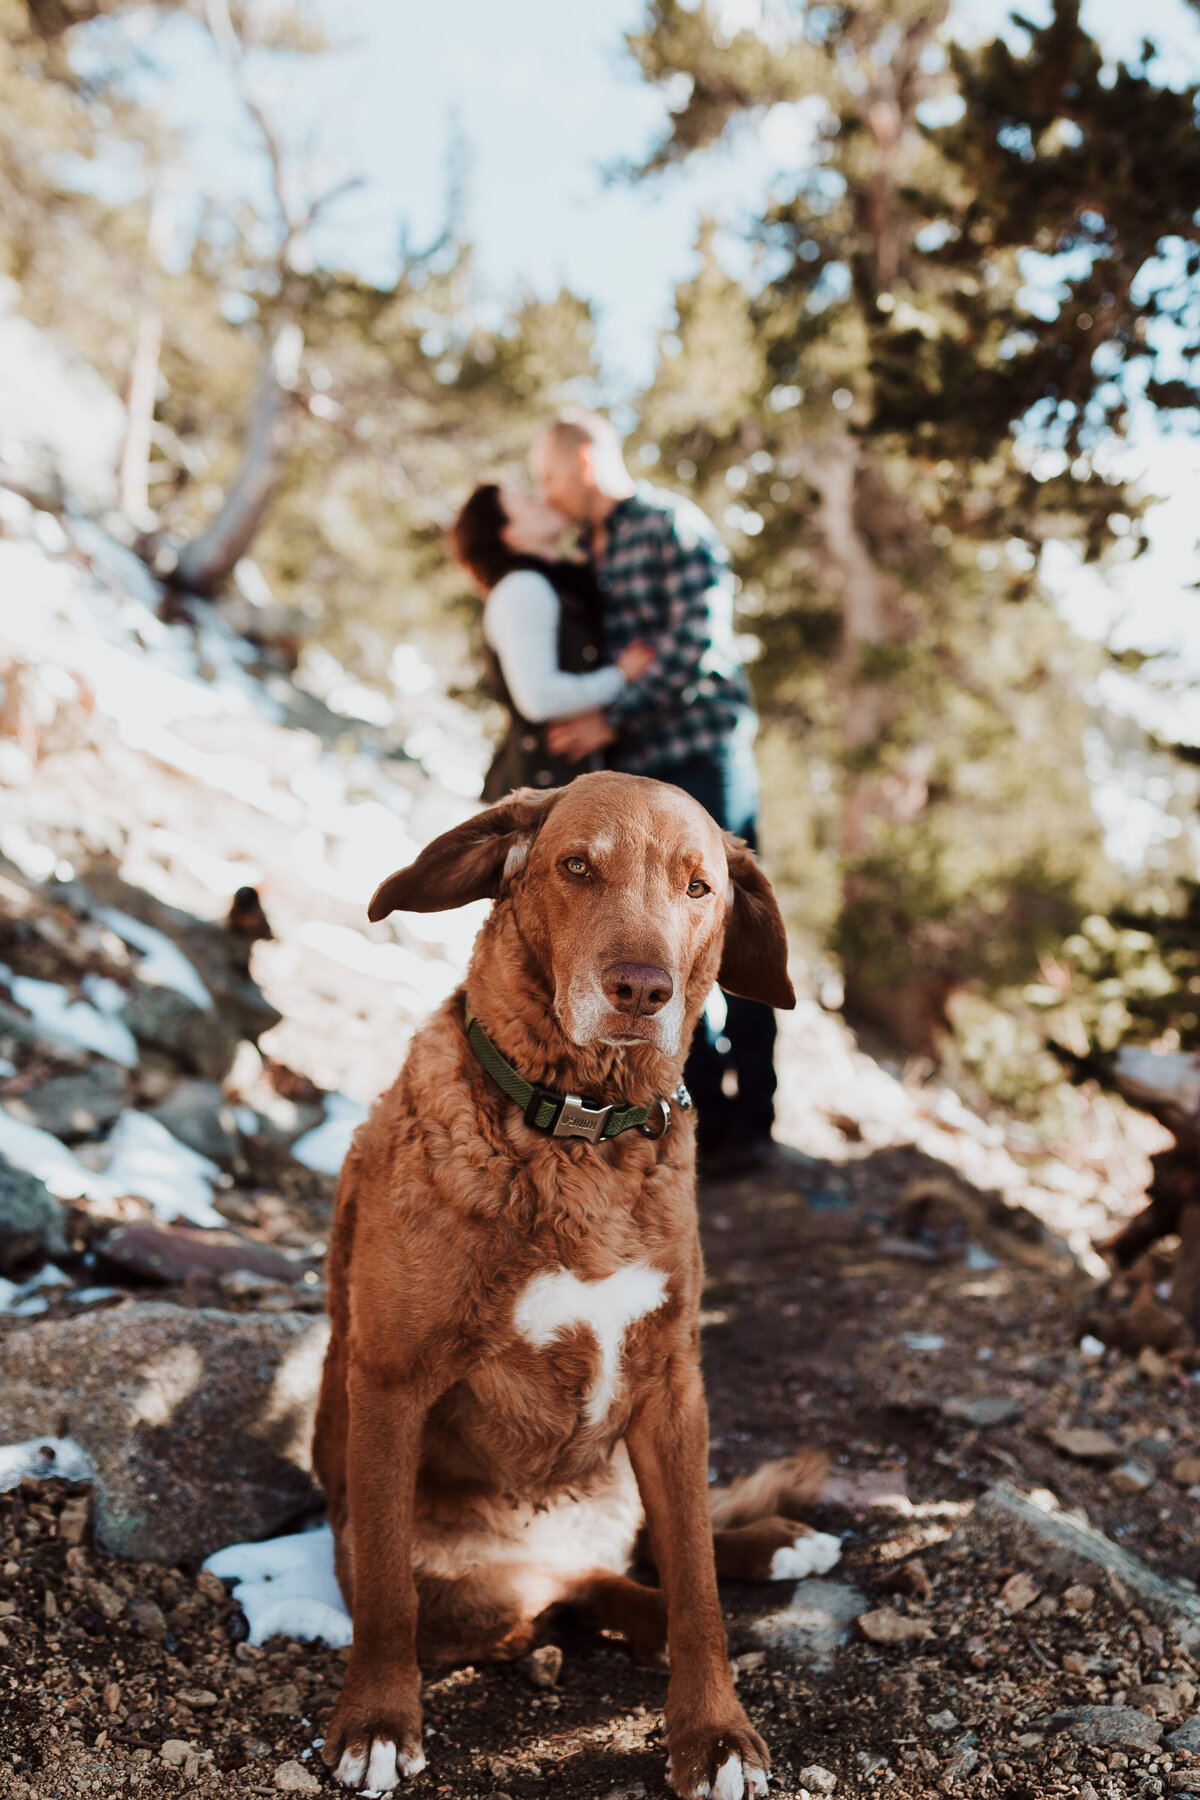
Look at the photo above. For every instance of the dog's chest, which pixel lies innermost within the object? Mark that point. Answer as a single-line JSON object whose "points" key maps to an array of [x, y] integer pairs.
{"points": [[557, 1308]]}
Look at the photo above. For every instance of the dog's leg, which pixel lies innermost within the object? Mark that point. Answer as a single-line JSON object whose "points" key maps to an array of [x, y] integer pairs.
{"points": [[374, 1737], [713, 1748], [483, 1615], [330, 1431], [638, 1613], [774, 1550]]}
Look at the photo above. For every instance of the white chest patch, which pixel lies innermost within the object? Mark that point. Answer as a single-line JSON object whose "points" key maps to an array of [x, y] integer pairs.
{"points": [[557, 1302]]}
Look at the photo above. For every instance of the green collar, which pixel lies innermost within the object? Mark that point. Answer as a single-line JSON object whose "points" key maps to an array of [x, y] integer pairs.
{"points": [[567, 1115]]}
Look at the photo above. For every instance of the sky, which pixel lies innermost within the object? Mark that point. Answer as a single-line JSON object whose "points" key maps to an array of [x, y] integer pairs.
{"points": [[545, 99]]}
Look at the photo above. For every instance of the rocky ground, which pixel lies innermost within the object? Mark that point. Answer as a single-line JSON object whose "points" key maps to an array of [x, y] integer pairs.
{"points": [[941, 1656], [911, 1287]]}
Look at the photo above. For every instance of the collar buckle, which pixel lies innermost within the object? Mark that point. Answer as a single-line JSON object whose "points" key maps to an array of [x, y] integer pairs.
{"points": [[566, 1115], [580, 1119]]}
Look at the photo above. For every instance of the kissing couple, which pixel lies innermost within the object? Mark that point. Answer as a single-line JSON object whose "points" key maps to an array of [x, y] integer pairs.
{"points": [[623, 656]]}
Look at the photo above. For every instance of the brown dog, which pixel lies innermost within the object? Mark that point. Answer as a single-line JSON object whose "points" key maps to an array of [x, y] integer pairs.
{"points": [[513, 1381]]}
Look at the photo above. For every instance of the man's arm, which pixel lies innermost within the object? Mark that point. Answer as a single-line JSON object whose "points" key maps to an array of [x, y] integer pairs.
{"points": [[697, 610]]}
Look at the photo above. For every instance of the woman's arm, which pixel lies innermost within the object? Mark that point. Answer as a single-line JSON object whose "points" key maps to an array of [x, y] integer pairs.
{"points": [[520, 622]]}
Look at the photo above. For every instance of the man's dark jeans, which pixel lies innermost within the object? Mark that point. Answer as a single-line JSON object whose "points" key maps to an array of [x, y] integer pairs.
{"points": [[726, 784]]}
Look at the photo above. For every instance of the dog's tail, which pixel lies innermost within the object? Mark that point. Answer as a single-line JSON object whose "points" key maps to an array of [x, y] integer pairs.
{"points": [[782, 1488]]}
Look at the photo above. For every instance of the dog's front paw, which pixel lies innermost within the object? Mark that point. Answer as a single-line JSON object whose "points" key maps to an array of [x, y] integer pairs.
{"points": [[715, 1763], [378, 1765], [371, 1745]]}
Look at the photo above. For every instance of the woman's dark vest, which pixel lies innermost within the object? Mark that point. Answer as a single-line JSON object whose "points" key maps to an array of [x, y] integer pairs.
{"points": [[522, 759]]}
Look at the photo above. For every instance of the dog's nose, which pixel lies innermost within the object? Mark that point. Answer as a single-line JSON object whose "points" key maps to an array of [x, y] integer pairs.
{"points": [[637, 989]]}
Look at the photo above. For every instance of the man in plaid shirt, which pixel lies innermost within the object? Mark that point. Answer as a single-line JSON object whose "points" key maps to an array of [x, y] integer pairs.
{"points": [[688, 719]]}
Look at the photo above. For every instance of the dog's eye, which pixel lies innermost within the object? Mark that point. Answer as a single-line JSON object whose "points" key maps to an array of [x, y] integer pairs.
{"points": [[697, 888], [575, 865]]}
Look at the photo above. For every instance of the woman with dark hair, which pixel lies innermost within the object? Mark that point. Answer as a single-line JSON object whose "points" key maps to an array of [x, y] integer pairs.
{"points": [[542, 632]]}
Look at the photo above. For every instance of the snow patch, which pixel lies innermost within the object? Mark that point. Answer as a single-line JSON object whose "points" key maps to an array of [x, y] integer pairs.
{"points": [[44, 1457], [163, 963], [30, 1307], [219, 874], [324, 1147], [54, 401], [29, 1147], [48, 1276], [287, 1587], [147, 1161], [56, 1015]]}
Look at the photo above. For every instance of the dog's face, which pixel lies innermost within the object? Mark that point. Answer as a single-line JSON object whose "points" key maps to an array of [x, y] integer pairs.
{"points": [[623, 894], [632, 899]]}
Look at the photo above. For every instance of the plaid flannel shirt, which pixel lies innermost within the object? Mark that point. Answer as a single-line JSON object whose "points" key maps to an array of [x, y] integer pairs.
{"points": [[666, 578]]}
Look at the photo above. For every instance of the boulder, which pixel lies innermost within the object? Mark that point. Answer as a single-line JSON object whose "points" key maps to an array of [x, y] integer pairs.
{"points": [[198, 1421], [156, 1253], [199, 1115], [1063, 1545], [31, 1220], [815, 1623], [204, 1042], [71, 1107], [219, 956], [278, 1121]]}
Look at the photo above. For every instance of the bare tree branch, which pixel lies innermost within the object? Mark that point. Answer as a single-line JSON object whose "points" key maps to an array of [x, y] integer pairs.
{"points": [[202, 565], [205, 562]]}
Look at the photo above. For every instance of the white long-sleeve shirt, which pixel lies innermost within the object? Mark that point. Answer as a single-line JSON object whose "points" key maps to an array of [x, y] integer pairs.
{"points": [[520, 622]]}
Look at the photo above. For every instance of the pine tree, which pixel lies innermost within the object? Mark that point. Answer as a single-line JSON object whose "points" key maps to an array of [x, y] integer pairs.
{"points": [[920, 422]]}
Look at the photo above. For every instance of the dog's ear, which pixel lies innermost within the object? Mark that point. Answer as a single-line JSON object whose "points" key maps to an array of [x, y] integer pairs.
{"points": [[468, 863], [754, 959]]}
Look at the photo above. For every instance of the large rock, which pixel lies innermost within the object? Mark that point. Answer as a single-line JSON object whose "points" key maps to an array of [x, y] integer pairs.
{"points": [[205, 1042], [1058, 1542], [71, 1107], [154, 1253], [198, 1422], [220, 957], [199, 1115], [31, 1219], [258, 1134]]}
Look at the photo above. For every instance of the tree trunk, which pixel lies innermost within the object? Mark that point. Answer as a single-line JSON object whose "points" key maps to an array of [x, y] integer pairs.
{"points": [[210, 559], [872, 615], [913, 1011]]}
